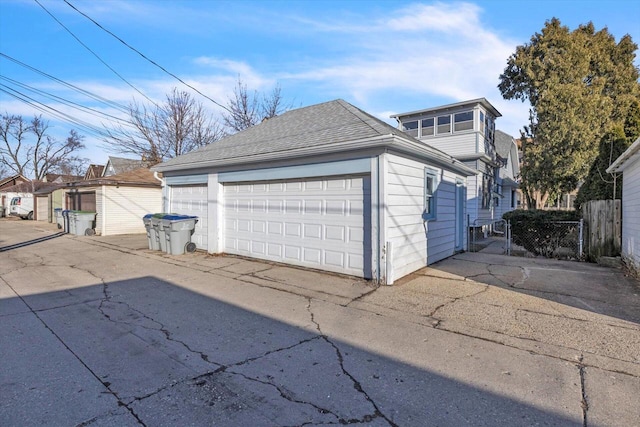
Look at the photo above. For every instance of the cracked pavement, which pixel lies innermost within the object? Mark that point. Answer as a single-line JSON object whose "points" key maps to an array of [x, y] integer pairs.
{"points": [[100, 331]]}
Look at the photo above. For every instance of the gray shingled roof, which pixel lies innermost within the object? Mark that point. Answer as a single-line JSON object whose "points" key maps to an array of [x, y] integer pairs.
{"points": [[318, 125], [503, 143], [122, 165]]}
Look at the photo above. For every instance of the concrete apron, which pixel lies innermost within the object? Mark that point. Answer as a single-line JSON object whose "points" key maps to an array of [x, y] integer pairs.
{"points": [[102, 330]]}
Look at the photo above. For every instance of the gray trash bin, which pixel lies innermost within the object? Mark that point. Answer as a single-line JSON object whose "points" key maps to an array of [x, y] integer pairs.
{"points": [[72, 222], [84, 223], [66, 220], [178, 230], [59, 218], [156, 223], [152, 232]]}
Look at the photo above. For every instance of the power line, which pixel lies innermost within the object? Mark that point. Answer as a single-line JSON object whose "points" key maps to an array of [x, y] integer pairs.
{"points": [[67, 102], [87, 127], [145, 57], [95, 54], [69, 85]]}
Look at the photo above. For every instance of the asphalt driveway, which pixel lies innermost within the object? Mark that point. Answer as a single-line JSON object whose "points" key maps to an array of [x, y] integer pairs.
{"points": [[101, 331]]}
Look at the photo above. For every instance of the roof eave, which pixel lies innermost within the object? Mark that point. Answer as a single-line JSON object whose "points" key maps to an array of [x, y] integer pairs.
{"points": [[414, 147], [630, 154]]}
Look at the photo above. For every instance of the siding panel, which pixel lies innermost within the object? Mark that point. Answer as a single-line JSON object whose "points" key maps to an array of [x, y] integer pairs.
{"points": [[124, 207], [405, 204]]}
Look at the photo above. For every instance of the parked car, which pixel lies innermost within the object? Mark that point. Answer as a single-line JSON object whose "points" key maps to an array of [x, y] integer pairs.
{"points": [[22, 207]]}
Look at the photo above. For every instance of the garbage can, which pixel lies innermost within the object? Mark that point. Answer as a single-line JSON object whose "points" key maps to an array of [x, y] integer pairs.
{"points": [[66, 220], [156, 223], [58, 217], [152, 232], [84, 223], [178, 230], [72, 222]]}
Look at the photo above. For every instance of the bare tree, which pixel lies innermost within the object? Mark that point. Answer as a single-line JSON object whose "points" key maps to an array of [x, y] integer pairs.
{"points": [[29, 150], [165, 131], [246, 110]]}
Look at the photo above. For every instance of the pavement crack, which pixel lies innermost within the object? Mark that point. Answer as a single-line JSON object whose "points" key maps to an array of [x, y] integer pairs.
{"points": [[356, 384], [364, 295], [584, 403], [105, 384], [286, 395]]}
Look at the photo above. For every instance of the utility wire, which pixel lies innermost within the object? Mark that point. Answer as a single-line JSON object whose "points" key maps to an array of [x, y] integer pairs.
{"points": [[145, 57], [95, 54], [69, 85], [67, 102], [87, 127]]}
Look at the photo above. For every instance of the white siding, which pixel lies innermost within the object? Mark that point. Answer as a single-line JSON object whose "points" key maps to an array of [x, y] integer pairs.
{"points": [[405, 228], [631, 214], [456, 144], [120, 210], [42, 208]]}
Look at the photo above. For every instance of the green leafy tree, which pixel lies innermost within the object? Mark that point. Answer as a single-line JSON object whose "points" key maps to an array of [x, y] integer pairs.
{"points": [[581, 86], [599, 185]]}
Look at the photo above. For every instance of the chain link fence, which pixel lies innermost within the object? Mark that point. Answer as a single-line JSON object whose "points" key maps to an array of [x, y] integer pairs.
{"points": [[550, 239]]}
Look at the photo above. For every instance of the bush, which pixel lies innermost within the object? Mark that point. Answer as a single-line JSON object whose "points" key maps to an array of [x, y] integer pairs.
{"points": [[538, 231]]}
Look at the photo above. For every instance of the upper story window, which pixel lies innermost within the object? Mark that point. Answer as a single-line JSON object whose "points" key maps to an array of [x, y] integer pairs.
{"points": [[444, 124], [482, 122], [411, 128], [463, 121], [427, 127]]}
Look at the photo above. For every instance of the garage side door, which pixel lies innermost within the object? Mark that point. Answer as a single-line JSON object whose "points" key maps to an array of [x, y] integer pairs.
{"points": [[192, 200], [316, 223]]}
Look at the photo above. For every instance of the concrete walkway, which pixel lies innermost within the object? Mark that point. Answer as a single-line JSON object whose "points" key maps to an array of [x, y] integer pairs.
{"points": [[102, 331]]}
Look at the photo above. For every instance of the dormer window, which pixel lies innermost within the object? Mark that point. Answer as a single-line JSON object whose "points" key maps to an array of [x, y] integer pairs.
{"points": [[411, 128], [428, 127], [444, 124], [463, 121]]}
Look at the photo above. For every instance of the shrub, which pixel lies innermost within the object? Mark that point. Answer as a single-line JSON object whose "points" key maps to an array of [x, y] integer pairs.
{"points": [[539, 232]]}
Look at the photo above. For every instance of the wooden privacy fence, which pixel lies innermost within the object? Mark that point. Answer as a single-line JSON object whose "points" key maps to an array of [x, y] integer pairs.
{"points": [[604, 228]]}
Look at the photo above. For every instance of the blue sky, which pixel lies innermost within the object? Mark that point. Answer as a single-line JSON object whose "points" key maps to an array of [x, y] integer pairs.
{"points": [[385, 57]]}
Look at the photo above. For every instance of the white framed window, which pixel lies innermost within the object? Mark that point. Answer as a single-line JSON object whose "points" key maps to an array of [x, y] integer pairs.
{"points": [[411, 128], [482, 122], [428, 128], [463, 121], [444, 124], [430, 194]]}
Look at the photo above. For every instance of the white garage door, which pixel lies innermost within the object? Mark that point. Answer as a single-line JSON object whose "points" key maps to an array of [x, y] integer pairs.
{"points": [[43, 208], [192, 200], [316, 223]]}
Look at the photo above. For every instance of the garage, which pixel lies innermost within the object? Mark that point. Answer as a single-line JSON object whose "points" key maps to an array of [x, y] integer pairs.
{"points": [[42, 208], [313, 222], [192, 200]]}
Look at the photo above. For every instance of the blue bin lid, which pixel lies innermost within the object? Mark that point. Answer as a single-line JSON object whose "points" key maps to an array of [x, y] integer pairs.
{"points": [[177, 217], [148, 216]]}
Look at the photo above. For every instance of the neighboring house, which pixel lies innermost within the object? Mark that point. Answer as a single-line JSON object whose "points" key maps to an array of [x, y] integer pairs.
{"points": [[22, 189], [628, 164], [466, 131], [47, 200], [94, 171], [57, 178], [120, 201], [5, 183], [119, 165], [328, 187], [508, 174]]}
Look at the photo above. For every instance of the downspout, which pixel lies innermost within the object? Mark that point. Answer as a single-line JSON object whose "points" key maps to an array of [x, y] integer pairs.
{"points": [[164, 195]]}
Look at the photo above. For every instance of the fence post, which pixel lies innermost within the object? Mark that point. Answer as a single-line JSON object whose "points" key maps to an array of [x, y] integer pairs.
{"points": [[580, 237], [508, 237]]}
